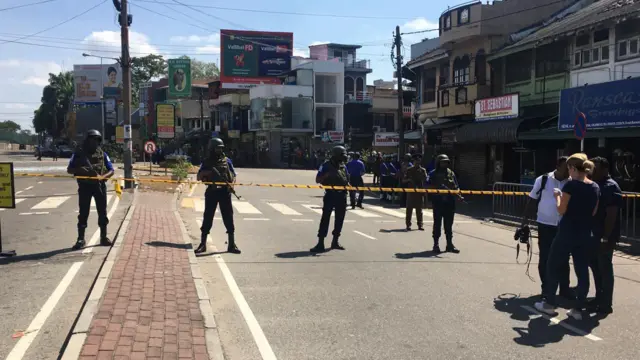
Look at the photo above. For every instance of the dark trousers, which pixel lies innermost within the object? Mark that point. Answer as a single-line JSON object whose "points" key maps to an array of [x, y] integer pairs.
{"points": [[579, 247], [86, 192], [546, 234], [602, 266], [443, 213], [213, 198], [356, 181], [414, 201], [333, 201]]}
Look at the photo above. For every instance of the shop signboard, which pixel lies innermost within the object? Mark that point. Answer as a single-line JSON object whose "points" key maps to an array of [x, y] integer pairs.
{"points": [[614, 104], [250, 58], [179, 77], [386, 139], [333, 137], [165, 117], [498, 108]]}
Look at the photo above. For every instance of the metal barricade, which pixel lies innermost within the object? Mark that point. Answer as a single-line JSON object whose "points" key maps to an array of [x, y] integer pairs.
{"points": [[509, 207]]}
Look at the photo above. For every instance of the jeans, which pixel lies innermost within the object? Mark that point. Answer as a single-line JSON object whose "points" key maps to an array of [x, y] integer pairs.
{"points": [[567, 242], [546, 234], [334, 200], [602, 267], [212, 198]]}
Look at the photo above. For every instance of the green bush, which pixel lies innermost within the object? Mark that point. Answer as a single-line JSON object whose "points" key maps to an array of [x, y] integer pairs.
{"points": [[180, 169]]}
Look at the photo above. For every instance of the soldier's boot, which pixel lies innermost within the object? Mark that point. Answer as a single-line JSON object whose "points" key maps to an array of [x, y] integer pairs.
{"points": [[436, 246], [231, 247], [450, 247], [80, 243], [420, 227], [319, 246], [335, 245], [203, 244], [104, 240]]}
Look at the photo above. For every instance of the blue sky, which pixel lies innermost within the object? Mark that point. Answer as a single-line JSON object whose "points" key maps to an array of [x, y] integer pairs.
{"points": [[194, 32]]}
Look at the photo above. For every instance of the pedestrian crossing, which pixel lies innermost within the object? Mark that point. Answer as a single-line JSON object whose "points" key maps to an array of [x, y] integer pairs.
{"points": [[300, 211], [34, 205]]}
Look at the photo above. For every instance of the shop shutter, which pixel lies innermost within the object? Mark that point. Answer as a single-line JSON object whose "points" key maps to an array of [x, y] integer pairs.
{"points": [[470, 167]]}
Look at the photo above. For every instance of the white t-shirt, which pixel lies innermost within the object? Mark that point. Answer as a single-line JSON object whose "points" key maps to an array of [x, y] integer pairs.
{"points": [[547, 208]]}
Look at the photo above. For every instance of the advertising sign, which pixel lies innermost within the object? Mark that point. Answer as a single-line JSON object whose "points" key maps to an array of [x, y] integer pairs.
{"points": [[7, 189], [250, 58], [88, 80], [386, 139], [120, 134], [497, 108], [614, 104], [179, 77], [165, 116], [333, 137]]}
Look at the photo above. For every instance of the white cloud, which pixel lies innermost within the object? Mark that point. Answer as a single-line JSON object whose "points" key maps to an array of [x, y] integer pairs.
{"points": [[195, 39], [19, 106], [301, 52], [107, 43], [34, 80], [419, 24], [208, 49], [29, 72]]}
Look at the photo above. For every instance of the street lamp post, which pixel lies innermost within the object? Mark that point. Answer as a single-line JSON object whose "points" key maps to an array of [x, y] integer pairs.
{"points": [[101, 91]]}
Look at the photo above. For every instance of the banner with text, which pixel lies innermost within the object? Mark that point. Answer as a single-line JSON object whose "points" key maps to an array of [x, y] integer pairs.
{"points": [[386, 139], [179, 77], [165, 117], [253, 57], [498, 108]]}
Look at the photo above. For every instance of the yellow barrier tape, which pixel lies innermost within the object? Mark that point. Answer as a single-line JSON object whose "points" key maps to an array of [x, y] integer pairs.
{"points": [[298, 186]]}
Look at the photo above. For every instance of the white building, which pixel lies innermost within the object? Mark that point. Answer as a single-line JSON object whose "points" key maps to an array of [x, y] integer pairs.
{"points": [[303, 113]]}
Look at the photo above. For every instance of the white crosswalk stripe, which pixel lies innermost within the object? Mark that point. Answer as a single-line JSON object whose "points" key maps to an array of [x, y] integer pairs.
{"points": [[51, 202], [244, 207], [364, 214], [198, 205], [315, 208], [396, 213], [93, 202], [284, 209]]}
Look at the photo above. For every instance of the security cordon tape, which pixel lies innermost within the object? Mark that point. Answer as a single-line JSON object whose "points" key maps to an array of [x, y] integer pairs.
{"points": [[300, 186]]}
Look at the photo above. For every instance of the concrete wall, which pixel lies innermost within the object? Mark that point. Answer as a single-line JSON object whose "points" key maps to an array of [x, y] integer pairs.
{"points": [[423, 46]]}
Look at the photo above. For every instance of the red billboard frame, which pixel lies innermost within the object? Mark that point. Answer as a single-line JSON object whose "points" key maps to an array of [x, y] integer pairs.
{"points": [[248, 80]]}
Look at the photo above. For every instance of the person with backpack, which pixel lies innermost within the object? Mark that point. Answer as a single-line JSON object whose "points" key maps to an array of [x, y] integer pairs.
{"points": [[547, 219]]}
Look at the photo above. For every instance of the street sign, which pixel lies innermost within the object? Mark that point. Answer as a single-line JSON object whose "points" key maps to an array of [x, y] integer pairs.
{"points": [[580, 126], [146, 85], [7, 197], [150, 147], [127, 132]]}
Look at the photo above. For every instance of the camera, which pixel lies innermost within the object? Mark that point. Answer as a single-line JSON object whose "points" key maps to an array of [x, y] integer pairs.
{"points": [[523, 234]]}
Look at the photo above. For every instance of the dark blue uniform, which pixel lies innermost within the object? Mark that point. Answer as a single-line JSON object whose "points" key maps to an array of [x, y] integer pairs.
{"points": [[356, 170], [88, 189], [218, 195]]}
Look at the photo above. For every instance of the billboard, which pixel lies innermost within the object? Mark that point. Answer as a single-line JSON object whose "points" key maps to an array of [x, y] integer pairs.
{"points": [[165, 117], [179, 77], [250, 58], [614, 104], [498, 108], [92, 81]]}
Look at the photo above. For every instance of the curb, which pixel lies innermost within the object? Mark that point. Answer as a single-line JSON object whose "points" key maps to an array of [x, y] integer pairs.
{"points": [[81, 328], [212, 338]]}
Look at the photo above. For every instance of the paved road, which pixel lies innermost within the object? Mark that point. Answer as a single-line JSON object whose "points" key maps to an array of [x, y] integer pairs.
{"points": [[43, 288], [385, 297]]}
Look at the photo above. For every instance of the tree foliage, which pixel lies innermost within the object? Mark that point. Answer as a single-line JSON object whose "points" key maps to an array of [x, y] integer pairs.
{"points": [[10, 126], [145, 69], [57, 100], [201, 70]]}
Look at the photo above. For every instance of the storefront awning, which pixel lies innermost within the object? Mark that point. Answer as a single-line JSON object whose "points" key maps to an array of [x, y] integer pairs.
{"points": [[490, 131], [439, 124], [554, 134], [413, 135]]}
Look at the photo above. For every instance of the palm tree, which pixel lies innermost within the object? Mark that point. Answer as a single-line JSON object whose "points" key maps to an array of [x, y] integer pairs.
{"points": [[57, 100]]}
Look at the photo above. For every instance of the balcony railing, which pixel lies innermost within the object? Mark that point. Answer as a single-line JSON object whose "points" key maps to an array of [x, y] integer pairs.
{"points": [[356, 64], [362, 97]]}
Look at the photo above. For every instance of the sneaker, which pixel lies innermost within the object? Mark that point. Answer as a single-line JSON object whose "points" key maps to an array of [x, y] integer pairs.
{"points": [[575, 313], [546, 308]]}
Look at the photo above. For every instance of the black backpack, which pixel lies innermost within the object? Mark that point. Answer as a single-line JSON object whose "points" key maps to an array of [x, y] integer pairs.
{"points": [[543, 184]]}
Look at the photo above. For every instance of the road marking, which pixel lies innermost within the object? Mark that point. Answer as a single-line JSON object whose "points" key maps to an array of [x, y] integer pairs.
{"points": [[244, 207], [35, 213], [18, 192], [364, 214], [256, 219], [256, 331], [363, 234], [386, 221], [28, 188], [557, 321], [315, 208], [40, 182], [349, 221], [198, 205], [193, 189], [93, 202], [38, 322], [284, 209], [96, 235], [306, 220], [391, 212], [301, 201], [51, 202], [18, 201]]}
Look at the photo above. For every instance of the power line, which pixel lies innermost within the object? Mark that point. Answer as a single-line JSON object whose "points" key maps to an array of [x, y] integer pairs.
{"points": [[491, 18], [285, 12], [55, 26], [180, 12], [25, 5], [212, 16]]}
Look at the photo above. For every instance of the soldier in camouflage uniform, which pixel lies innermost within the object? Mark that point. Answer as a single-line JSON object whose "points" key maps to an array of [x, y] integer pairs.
{"points": [[217, 168], [333, 172], [89, 160], [415, 178], [444, 205]]}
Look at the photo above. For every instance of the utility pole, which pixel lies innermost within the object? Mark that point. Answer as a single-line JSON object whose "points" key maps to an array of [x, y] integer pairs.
{"points": [[125, 62], [201, 109], [398, 44]]}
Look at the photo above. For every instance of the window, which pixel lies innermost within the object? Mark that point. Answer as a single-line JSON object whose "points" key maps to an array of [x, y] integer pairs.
{"points": [[461, 96], [600, 36], [592, 53], [583, 40], [447, 22], [445, 73], [586, 57], [463, 16], [461, 70], [627, 35], [595, 54], [429, 85], [604, 53], [633, 46], [445, 98], [518, 67], [481, 68], [551, 59], [577, 59], [622, 49]]}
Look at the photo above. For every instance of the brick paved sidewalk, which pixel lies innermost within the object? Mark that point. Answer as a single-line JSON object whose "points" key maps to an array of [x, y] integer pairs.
{"points": [[149, 309]]}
